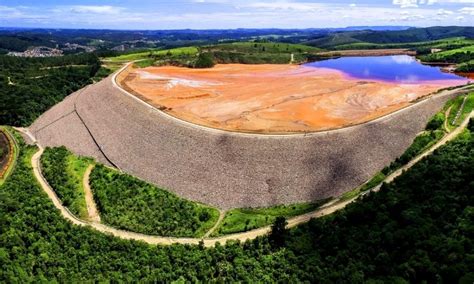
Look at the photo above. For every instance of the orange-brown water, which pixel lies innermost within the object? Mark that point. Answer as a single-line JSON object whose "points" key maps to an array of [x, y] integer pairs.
{"points": [[270, 98]]}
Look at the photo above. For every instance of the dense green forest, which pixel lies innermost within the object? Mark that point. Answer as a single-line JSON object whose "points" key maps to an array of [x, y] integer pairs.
{"points": [[128, 203], [64, 173], [420, 228], [30, 86]]}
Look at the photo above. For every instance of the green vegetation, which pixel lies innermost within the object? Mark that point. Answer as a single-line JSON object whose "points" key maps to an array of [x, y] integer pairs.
{"points": [[421, 143], [261, 47], [175, 52], [204, 60], [458, 55], [245, 219], [128, 203], [255, 52], [466, 67], [102, 73], [421, 46], [30, 86], [5, 149], [457, 103], [436, 122], [64, 172], [434, 131], [260, 52], [417, 229]]}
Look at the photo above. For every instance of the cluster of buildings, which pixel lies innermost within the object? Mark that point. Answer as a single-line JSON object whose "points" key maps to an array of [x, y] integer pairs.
{"points": [[74, 46], [40, 51]]}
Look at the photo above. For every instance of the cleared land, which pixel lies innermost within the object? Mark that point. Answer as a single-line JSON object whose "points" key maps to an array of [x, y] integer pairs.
{"points": [[270, 98], [224, 169]]}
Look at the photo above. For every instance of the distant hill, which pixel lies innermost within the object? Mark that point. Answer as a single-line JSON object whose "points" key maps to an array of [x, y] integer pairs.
{"points": [[409, 35]]}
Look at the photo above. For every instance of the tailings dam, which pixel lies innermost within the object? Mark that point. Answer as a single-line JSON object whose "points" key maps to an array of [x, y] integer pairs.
{"points": [[222, 168]]}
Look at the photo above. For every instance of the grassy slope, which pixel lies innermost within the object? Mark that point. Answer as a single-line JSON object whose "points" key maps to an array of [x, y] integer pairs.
{"points": [[443, 44], [262, 47], [469, 48], [147, 54], [129, 203], [456, 105], [245, 219]]}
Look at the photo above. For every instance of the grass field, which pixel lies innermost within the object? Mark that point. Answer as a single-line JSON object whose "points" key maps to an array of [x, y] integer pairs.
{"points": [[469, 48], [456, 105], [150, 54], [238, 52], [262, 47], [448, 43], [245, 219]]}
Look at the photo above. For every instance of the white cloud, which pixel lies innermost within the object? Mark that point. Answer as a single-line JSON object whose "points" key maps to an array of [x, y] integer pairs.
{"points": [[91, 9], [406, 3], [417, 3], [460, 18], [467, 11], [443, 12], [352, 5], [284, 5]]}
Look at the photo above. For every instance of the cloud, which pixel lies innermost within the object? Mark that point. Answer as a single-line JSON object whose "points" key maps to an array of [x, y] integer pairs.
{"points": [[91, 9], [406, 3], [443, 12], [460, 18], [417, 3], [467, 11], [284, 5], [352, 5]]}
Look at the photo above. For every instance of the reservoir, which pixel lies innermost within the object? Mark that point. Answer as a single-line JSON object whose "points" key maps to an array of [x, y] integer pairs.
{"points": [[396, 69]]}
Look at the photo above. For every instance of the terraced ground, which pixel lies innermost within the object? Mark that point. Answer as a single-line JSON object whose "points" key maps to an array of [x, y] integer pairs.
{"points": [[225, 169]]}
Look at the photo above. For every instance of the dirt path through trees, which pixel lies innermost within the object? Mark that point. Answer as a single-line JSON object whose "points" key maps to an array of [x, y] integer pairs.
{"points": [[91, 206]]}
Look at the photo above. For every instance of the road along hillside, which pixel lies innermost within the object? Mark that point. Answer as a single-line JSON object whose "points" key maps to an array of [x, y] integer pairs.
{"points": [[227, 169]]}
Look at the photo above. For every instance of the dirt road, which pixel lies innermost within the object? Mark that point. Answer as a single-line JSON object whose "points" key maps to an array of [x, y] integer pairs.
{"points": [[93, 213], [327, 209]]}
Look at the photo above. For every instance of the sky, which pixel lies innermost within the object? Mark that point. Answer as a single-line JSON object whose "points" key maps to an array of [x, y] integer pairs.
{"points": [[224, 14]]}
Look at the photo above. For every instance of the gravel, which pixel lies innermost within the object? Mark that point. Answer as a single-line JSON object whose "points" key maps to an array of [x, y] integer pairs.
{"points": [[222, 169]]}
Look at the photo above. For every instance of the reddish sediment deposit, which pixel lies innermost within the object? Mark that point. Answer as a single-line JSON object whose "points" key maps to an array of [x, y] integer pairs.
{"points": [[270, 98], [225, 169]]}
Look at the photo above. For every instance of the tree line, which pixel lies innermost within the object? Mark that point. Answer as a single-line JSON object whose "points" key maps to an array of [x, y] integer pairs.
{"points": [[30, 86]]}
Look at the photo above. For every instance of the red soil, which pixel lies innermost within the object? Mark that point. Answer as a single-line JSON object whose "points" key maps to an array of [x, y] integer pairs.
{"points": [[270, 98]]}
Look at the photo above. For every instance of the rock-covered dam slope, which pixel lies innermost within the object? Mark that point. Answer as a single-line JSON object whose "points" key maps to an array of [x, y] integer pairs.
{"points": [[221, 168]]}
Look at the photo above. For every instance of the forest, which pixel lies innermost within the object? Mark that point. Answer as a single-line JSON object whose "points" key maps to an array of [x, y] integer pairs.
{"points": [[64, 173], [128, 203], [419, 228], [30, 86]]}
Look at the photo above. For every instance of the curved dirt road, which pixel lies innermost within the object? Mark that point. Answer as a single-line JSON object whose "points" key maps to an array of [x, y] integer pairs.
{"points": [[327, 209], [92, 211], [35, 161]]}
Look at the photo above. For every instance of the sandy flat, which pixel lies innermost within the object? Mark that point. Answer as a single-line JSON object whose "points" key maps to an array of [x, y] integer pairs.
{"points": [[270, 98]]}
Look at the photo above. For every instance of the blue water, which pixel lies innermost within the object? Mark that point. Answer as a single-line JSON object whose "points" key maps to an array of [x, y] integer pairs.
{"points": [[399, 68]]}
